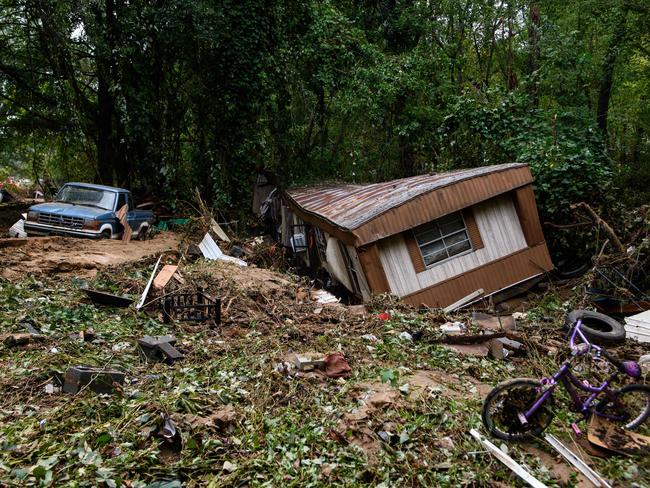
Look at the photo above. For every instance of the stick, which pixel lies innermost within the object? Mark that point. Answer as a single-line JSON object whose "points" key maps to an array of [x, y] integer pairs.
{"points": [[606, 227], [508, 461]]}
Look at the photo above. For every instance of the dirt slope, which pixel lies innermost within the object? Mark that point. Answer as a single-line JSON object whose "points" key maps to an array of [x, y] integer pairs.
{"points": [[81, 257]]}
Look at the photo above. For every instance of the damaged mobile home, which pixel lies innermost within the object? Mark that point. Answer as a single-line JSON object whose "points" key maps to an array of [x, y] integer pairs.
{"points": [[431, 239]]}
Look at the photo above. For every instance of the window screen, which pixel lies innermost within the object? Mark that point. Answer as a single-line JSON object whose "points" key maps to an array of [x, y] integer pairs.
{"points": [[442, 238]]}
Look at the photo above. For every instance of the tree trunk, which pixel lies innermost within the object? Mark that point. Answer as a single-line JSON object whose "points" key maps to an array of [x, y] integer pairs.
{"points": [[607, 77], [533, 54], [104, 131], [105, 103]]}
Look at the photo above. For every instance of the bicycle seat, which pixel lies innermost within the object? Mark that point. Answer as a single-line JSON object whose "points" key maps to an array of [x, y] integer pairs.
{"points": [[631, 368]]}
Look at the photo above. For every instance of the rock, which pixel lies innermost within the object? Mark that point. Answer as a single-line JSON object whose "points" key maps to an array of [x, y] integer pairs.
{"points": [[446, 443]]}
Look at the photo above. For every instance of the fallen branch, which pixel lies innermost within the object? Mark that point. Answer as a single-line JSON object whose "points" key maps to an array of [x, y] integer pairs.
{"points": [[600, 222], [471, 339], [566, 226]]}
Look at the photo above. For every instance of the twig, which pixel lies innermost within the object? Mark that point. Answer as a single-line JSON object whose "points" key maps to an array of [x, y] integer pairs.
{"points": [[566, 226]]}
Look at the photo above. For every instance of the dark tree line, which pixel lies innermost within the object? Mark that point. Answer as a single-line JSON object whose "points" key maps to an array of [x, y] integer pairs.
{"points": [[168, 95]]}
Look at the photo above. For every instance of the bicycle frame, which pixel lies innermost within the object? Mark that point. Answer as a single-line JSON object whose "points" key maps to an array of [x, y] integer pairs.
{"points": [[565, 377]]}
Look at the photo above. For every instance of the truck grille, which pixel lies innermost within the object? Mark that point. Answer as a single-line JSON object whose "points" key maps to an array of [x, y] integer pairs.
{"points": [[61, 221]]}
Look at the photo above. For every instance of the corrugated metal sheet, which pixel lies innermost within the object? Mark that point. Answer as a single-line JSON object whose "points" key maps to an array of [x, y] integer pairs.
{"points": [[373, 211]]}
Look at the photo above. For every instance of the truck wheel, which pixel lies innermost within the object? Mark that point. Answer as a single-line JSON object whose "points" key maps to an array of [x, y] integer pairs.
{"points": [[597, 327], [106, 234], [143, 233]]}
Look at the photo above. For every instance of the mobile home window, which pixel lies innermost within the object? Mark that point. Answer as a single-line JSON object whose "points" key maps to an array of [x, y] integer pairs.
{"points": [[442, 238]]}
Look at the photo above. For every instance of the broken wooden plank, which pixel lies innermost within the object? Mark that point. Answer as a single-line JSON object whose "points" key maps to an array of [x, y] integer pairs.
{"points": [[121, 215], [160, 348], [216, 228], [103, 298], [519, 337], [480, 350], [164, 276], [464, 301], [20, 338], [496, 349], [578, 463], [100, 380], [179, 278], [493, 322], [514, 466], [471, 338]]}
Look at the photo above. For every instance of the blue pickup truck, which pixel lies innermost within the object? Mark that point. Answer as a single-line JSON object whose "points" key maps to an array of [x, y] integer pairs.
{"points": [[85, 210]]}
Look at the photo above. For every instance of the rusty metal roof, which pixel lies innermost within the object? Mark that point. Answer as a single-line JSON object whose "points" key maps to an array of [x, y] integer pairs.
{"points": [[349, 206]]}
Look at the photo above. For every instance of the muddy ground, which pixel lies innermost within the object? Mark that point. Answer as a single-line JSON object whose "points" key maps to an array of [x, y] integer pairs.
{"points": [[46, 256]]}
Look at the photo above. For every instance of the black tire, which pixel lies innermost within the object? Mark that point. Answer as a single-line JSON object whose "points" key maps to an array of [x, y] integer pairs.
{"points": [[501, 408], [633, 401], [597, 327], [106, 234], [143, 233], [565, 270]]}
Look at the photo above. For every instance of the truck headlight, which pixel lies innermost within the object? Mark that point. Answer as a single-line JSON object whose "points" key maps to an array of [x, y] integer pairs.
{"points": [[32, 215], [91, 224]]}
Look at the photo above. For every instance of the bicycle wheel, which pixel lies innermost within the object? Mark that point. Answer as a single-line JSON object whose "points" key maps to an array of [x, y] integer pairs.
{"points": [[630, 403], [506, 401]]}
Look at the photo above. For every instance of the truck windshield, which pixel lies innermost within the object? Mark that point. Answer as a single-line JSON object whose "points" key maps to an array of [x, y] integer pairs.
{"points": [[81, 195]]}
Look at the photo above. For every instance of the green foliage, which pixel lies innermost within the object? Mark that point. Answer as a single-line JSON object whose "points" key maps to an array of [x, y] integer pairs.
{"points": [[169, 96]]}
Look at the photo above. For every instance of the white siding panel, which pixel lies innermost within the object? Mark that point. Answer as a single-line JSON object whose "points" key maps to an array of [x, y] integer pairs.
{"points": [[336, 264], [397, 264], [500, 230]]}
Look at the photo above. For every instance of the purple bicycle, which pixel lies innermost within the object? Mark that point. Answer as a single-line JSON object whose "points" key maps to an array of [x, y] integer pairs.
{"points": [[521, 408]]}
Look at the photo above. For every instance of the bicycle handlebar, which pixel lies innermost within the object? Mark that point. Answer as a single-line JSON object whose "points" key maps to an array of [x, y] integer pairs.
{"points": [[576, 331]]}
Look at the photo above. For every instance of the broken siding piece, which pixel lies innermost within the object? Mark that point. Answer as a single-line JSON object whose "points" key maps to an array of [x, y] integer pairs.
{"points": [[514, 466], [212, 252], [146, 290], [464, 301], [576, 462], [638, 326], [528, 216]]}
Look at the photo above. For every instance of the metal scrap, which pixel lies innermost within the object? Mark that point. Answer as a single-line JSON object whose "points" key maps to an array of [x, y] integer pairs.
{"points": [[211, 251], [100, 380], [160, 348]]}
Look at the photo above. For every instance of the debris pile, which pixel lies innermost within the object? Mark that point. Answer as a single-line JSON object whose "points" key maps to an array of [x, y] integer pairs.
{"points": [[246, 370]]}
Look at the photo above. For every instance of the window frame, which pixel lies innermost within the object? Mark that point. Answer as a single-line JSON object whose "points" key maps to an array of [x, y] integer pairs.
{"points": [[467, 239]]}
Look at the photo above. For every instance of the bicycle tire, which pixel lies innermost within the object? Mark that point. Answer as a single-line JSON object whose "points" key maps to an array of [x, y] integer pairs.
{"points": [[525, 391], [636, 421]]}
